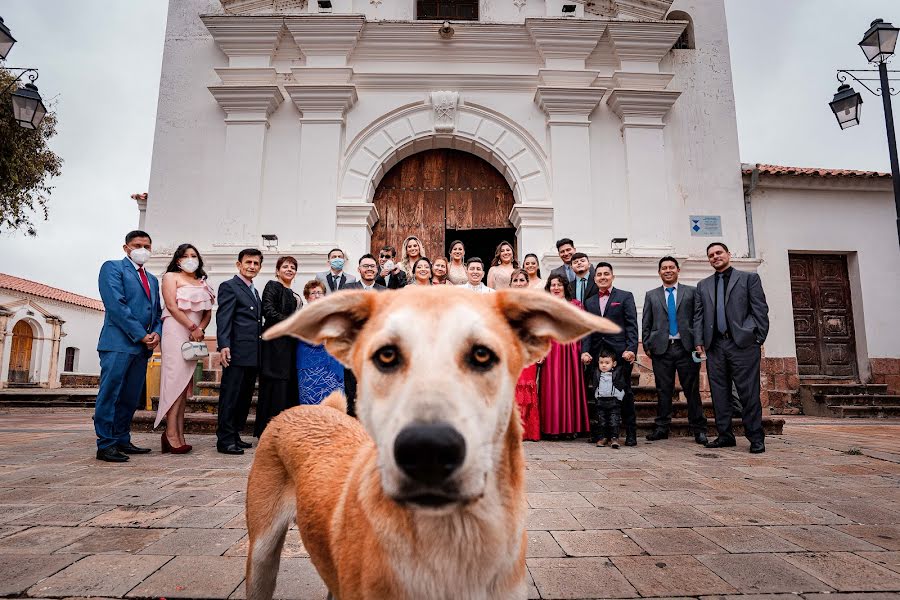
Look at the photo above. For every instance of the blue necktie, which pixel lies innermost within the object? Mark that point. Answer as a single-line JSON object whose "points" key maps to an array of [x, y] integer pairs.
{"points": [[673, 320]]}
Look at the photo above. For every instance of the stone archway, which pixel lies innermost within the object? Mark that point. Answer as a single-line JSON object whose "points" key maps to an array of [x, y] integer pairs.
{"points": [[22, 348]]}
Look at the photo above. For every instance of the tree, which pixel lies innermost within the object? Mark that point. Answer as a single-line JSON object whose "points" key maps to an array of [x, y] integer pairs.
{"points": [[26, 165]]}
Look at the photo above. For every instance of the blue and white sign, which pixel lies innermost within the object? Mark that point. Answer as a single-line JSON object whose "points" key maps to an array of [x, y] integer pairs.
{"points": [[706, 225]]}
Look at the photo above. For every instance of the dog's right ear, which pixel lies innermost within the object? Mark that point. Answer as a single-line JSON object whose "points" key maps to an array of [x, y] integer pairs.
{"points": [[334, 320], [537, 317]]}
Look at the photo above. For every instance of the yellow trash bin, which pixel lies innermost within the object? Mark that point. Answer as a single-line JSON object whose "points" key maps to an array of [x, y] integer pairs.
{"points": [[154, 370]]}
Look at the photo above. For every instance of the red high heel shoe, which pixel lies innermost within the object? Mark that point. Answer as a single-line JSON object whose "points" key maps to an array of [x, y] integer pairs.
{"points": [[166, 446], [181, 449]]}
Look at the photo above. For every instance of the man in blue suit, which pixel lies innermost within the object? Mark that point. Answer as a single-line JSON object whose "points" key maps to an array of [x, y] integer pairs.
{"points": [[131, 330]]}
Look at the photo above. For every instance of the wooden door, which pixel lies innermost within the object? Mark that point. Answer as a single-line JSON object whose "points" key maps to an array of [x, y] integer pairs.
{"points": [[435, 190], [823, 315], [20, 355]]}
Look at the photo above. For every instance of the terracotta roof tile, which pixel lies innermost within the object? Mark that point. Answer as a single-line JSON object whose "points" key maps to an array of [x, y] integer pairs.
{"points": [[26, 286], [813, 172]]}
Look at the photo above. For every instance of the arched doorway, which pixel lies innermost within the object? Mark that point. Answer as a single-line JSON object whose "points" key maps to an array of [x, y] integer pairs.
{"points": [[443, 195], [20, 355]]}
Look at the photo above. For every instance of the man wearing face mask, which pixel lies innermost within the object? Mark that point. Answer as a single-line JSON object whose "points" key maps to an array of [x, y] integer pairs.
{"points": [[132, 328], [334, 278]]}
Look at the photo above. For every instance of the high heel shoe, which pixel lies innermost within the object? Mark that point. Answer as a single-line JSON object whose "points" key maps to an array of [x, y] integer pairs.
{"points": [[166, 446], [181, 449]]}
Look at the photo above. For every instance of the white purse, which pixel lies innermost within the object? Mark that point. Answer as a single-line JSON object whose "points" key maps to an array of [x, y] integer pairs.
{"points": [[194, 350]]}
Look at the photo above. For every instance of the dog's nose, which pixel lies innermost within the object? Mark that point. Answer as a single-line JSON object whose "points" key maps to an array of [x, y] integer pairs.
{"points": [[429, 452]]}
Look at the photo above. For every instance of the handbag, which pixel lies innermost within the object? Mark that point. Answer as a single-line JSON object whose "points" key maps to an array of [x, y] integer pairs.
{"points": [[194, 350]]}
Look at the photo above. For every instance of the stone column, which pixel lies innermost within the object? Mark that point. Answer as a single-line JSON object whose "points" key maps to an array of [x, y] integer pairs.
{"points": [[568, 113], [4, 364], [247, 110], [534, 227], [649, 209], [141, 200], [57, 335]]}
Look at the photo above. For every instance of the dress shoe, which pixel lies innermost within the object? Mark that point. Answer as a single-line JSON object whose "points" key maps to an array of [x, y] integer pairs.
{"points": [[659, 434], [701, 438], [232, 449], [242, 444], [130, 448], [757, 447], [614, 444], [721, 442], [111, 454], [631, 438]]}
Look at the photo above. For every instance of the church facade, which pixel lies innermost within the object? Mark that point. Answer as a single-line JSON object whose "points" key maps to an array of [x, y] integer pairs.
{"points": [[354, 123]]}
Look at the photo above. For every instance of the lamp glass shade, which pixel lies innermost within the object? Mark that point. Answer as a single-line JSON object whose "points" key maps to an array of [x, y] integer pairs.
{"points": [[6, 40], [28, 107], [846, 106], [879, 42]]}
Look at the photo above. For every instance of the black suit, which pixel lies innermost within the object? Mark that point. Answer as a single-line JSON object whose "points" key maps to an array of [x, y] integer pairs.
{"points": [[238, 327], [620, 309], [395, 281], [590, 286], [278, 358], [674, 355], [734, 355], [349, 377]]}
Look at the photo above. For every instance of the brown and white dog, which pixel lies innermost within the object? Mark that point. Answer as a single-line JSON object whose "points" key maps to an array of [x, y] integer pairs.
{"points": [[424, 496]]}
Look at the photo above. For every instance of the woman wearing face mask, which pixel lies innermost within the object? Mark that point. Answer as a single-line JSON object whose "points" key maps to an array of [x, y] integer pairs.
{"points": [[456, 271], [439, 271], [278, 359], [421, 272], [187, 309], [411, 252], [502, 266], [526, 387]]}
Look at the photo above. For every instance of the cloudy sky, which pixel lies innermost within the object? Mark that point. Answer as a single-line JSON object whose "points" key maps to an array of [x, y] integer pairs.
{"points": [[99, 66]]}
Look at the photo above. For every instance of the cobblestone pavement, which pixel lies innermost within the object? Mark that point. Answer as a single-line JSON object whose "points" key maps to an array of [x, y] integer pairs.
{"points": [[817, 517]]}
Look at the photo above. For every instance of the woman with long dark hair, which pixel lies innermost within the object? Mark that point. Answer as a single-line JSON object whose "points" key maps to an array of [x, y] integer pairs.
{"points": [[564, 410], [502, 266], [456, 270], [187, 310], [278, 358], [422, 273], [532, 266]]}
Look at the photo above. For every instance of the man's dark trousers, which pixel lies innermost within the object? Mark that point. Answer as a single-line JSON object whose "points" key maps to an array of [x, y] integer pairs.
{"points": [[236, 394], [727, 363], [677, 360]]}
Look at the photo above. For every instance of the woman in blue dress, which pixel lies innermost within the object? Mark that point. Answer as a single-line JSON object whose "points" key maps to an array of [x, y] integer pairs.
{"points": [[318, 373]]}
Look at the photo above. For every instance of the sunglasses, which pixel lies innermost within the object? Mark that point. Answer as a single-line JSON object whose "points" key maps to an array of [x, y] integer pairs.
{"points": [[384, 256]]}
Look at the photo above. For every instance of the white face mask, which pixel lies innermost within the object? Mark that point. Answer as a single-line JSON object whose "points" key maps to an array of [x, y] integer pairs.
{"points": [[388, 265], [140, 256], [189, 265]]}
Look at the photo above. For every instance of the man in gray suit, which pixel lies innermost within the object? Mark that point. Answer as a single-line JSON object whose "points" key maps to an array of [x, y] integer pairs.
{"points": [[334, 278], [671, 313], [566, 249], [734, 326]]}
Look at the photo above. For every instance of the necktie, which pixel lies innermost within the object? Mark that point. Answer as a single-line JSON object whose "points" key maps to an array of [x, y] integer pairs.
{"points": [[580, 294], [331, 282], [144, 281], [721, 323], [670, 304], [255, 293], [603, 293]]}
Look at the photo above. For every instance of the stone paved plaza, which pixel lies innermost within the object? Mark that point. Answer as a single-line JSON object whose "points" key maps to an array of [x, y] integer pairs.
{"points": [[817, 516]]}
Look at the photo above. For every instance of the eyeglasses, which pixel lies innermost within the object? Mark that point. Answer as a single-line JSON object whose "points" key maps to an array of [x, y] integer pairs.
{"points": [[367, 267], [316, 293]]}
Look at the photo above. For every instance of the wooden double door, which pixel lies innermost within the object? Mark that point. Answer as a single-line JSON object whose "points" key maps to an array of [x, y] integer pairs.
{"points": [[823, 315], [439, 195], [20, 353]]}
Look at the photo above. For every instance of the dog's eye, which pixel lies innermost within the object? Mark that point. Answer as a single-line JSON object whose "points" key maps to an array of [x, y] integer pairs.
{"points": [[482, 358], [387, 358]]}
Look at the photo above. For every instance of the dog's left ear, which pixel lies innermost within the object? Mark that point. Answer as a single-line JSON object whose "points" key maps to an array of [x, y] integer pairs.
{"points": [[537, 317], [334, 320]]}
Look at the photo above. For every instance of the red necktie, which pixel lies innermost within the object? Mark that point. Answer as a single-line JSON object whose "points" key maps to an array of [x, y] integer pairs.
{"points": [[144, 281]]}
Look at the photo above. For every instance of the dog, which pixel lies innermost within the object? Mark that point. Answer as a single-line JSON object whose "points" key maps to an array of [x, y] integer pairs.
{"points": [[424, 496]]}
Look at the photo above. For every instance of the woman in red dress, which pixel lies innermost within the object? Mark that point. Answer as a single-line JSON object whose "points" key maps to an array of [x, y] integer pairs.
{"points": [[563, 406], [526, 387]]}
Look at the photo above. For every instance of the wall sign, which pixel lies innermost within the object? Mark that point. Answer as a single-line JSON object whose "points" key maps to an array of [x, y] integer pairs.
{"points": [[706, 225]]}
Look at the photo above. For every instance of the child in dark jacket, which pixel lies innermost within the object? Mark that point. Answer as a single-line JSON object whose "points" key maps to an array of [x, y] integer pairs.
{"points": [[609, 389]]}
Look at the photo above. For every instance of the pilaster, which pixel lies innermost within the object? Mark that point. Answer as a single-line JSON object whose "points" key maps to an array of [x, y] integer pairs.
{"points": [[565, 44], [53, 371], [640, 45], [534, 225], [247, 41], [326, 40], [4, 362], [354, 226]]}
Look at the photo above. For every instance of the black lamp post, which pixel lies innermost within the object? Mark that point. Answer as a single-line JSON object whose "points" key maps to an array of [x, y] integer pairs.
{"points": [[878, 44], [27, 104]]}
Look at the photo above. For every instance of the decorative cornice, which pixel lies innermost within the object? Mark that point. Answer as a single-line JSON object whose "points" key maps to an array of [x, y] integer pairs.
{"points": [[322, 75], [249, 7], [471, 81], [322, 103], [326, 39], [642, 108], [565, 40], [641, 41], [642, 9], [566, 78], [568, 105], [250, 104], [247, 75], [531, 216], [244, 36], [357, 214], [641, 81]]}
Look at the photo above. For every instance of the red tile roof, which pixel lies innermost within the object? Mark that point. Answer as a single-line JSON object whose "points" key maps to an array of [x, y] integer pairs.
{"points": [[26, 286], [813, 172]]}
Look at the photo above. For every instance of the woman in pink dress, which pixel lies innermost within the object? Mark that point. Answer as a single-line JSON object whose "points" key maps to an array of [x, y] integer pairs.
{"points": [[564, 410], [187, 310], [526, 387], [502, 266]]}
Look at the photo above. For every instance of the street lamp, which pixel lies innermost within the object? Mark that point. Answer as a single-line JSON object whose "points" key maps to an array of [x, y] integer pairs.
{"points": [[28, 108], [878, 44], [6, 40]]}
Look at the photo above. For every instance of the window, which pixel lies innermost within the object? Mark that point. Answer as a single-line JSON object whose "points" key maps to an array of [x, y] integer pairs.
{"points": [[455, 10], [71, 360], [686, 40]]}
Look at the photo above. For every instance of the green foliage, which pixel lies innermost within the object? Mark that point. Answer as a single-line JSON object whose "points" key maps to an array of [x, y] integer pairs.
{"points": [[26, 165]]}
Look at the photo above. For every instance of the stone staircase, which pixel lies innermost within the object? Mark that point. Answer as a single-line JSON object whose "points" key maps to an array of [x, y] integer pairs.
{"points": [[848, 400]]}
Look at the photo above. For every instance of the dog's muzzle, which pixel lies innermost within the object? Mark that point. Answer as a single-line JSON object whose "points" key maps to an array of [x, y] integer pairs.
{"points": [[429, 454]]}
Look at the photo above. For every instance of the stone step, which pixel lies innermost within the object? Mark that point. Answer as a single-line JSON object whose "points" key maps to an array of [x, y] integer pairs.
{"points": [[860, 399], [647, 410], [51, 403], [820, 389], [863, 411], [206, 423]]}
